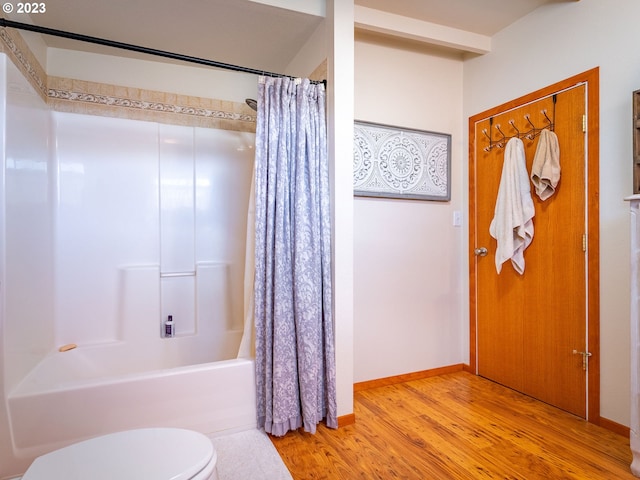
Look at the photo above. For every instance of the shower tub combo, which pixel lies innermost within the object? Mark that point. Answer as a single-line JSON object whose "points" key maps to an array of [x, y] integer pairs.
{"points": [[104, 240], [189, 381]]}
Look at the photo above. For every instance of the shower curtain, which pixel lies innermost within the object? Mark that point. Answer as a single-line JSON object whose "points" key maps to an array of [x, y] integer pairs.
{"points": [[295, 353]]}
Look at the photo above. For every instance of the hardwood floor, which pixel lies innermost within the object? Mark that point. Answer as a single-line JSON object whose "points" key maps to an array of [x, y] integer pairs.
{"points": [[456, 426]]}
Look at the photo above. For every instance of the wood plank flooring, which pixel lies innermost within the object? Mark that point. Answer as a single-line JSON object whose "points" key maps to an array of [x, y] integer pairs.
{"points": [[456, 426]]}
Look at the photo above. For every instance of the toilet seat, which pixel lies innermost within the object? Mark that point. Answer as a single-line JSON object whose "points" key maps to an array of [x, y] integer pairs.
{"points": [[149, 453]]}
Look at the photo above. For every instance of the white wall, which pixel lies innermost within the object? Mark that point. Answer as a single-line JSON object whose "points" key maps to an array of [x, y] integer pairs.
{"points": [[555, 42], [408, 257], [312, 53]]}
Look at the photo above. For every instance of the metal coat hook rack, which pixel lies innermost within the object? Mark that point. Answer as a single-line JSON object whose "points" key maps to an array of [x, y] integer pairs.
{"points": [[529, 134]]}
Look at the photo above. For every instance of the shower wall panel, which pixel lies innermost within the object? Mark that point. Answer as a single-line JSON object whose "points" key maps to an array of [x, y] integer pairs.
{"points": [[224, 168], [177, 228], [177, 243], [106, 217], [134, 195], [28, 217]]}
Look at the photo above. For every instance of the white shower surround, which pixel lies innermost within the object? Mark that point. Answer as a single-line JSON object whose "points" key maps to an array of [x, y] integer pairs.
{"points": [[97, 210]]}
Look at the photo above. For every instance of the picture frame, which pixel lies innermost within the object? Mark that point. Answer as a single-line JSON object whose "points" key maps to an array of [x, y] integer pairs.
{"points": [[402, 163]]}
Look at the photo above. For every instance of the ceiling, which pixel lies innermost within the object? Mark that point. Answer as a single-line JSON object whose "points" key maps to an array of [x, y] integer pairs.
{"points": [[243, 32], [485, 17]]}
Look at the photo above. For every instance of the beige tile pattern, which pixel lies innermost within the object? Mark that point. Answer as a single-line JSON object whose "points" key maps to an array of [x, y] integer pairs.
{"points": [[92, 98], [12, 43]]}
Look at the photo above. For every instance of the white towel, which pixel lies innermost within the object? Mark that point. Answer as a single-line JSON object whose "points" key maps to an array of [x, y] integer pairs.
{"points": [[512, 224], [545, 171]]}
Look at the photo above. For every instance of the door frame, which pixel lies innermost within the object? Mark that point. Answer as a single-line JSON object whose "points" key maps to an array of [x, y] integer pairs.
{"points": [[591, 79]]}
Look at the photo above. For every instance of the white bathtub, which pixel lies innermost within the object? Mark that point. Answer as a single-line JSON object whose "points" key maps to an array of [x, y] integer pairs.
{"points": [[92, 391]]}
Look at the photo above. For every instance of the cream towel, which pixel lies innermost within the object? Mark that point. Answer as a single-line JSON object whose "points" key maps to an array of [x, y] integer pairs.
{"points": [[512, 224], [545, 171]]}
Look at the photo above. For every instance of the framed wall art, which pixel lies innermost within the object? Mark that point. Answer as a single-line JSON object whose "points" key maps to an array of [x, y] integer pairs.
{"points": [[394, 162]]}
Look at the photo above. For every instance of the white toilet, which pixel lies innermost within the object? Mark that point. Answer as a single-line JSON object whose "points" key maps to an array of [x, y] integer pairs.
{"points": [[143, 454]]}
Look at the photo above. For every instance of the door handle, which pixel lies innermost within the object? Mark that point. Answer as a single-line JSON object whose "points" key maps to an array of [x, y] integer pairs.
{"points": [[481, 252], [585, 358]]}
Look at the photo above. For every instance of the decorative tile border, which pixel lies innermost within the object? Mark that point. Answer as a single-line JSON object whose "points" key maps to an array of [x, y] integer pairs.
{"points": [[15, 47], [92, 98], [137, 104], [142, 105]]}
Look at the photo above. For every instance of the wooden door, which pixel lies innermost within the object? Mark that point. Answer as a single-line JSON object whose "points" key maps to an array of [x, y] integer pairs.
{"points": [[530, 328]]}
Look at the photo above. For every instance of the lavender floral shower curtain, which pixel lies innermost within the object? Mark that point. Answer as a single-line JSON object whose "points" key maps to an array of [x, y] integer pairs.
{"points": [[295, 357]]}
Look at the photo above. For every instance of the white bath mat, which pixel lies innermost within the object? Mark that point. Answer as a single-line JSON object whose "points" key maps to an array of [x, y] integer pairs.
{"points": [[249, 455]]}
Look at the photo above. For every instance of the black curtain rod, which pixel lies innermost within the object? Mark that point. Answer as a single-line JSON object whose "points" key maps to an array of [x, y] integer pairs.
{"points": [[136, 48]]}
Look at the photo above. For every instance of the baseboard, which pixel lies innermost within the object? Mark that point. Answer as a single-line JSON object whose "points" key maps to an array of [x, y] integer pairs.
{"points": [[467, 368], [407, 377], [345, 420], [614, 427]]}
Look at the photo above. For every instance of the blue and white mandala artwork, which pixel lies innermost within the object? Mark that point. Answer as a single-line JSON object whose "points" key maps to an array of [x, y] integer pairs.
{"points": [[400, 163]]}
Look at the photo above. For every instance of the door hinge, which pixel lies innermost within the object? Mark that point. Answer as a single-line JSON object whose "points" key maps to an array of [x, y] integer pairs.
{"points": [[584, 242], [584, 124]]}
